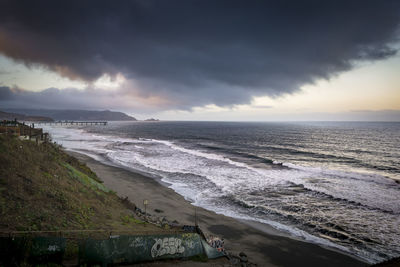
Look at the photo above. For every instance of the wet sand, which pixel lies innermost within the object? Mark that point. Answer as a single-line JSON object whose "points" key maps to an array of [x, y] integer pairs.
{"points": [[264, 245]]}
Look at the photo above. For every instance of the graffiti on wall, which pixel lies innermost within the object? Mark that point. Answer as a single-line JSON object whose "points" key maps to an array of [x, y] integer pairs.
{"points": [[53, 248], [163, 246], [138, 242]]}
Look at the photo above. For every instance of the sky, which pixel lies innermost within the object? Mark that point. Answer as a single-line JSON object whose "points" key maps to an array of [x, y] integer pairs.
{"points": [[204, 60]]}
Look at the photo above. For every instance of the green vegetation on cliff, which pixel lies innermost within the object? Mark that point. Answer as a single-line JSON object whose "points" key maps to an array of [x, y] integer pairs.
{"points": [[43, 188]]}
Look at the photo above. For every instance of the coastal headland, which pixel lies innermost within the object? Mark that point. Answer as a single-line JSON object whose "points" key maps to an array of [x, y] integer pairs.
{"points": [[47, 190], [54, 209]]}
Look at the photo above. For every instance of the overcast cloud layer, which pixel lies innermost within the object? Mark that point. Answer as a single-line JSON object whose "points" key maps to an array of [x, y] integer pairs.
{"points": [[193, 53]]}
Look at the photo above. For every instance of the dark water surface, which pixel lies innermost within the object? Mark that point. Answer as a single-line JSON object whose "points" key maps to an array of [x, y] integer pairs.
{"points": [[332, 183]]}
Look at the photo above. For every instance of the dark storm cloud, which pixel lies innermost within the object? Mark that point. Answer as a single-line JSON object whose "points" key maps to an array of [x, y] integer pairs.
{"points": [[49, 98], [200, 52], [5, 94], [121, 99]]}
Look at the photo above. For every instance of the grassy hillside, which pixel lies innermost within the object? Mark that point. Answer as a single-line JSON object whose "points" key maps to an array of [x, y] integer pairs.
{"points": [[43, 188]]}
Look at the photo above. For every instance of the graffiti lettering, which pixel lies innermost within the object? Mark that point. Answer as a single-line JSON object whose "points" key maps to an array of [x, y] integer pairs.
{"points": [[137, 242], [167, 246], [53, 248]]}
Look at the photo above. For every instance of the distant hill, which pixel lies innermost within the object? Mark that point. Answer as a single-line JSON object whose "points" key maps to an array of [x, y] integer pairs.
{"points": [[22, 117], [84, 115]]}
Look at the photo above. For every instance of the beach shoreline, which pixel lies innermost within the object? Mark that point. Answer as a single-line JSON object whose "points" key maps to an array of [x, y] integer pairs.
{"points": [[264, 245]]}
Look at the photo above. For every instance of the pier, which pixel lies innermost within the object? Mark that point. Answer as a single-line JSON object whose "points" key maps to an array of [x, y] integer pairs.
{"points": [[73, 122]]}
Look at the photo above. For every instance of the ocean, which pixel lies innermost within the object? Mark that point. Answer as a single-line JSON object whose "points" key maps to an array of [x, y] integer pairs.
{"points": [[332, 183]]}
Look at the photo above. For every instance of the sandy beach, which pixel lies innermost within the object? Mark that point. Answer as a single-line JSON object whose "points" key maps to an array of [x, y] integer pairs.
{"points": [[264, 245]]}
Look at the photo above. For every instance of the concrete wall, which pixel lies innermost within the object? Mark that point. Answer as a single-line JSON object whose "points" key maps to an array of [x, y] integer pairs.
{"points": [[116, 249], [132, 249]]}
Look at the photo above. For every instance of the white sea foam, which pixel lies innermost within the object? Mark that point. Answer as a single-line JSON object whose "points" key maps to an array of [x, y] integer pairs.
{"points": [[226, 173], [203, 177]]}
